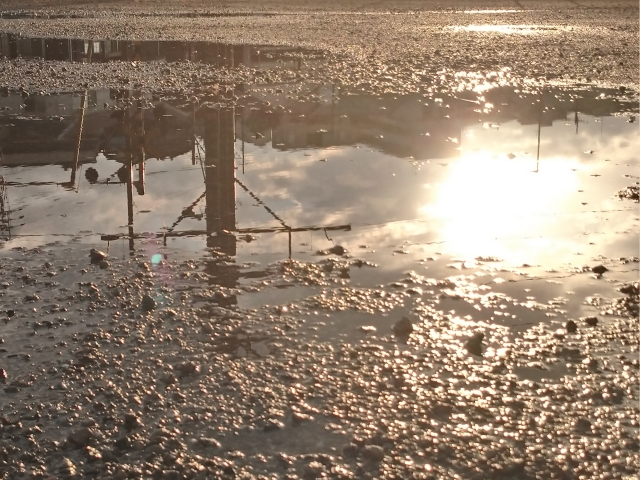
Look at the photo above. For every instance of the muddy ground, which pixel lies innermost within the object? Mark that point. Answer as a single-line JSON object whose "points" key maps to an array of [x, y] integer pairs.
{"points": [[141, 369], [396, 46]]}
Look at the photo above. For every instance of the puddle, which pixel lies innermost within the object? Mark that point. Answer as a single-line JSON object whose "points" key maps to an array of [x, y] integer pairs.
{"points": [[502, 196], [514, 29], [13, 45], [491, 12]]}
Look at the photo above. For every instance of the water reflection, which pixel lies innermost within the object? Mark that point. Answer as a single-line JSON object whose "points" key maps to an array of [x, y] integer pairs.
{"points": [[14, 45], [480, 173]]}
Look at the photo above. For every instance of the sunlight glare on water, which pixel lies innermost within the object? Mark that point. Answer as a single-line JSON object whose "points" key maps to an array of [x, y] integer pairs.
{"points": [[512, 29], [486, 199]]}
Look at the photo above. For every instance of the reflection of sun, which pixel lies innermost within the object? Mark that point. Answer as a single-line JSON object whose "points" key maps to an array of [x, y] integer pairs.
{"points": [[487, 202]]}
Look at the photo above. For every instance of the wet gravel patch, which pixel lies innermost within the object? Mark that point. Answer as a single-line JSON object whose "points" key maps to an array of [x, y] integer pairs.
{"points": [[139, 370], [378, 51]]}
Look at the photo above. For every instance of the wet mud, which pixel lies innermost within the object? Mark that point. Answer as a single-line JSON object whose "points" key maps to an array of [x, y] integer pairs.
{"points": [[233, 260]]}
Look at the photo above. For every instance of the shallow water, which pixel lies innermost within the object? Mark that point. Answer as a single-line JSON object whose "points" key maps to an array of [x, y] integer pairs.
{"points": [[488, 204], [15, 45]]}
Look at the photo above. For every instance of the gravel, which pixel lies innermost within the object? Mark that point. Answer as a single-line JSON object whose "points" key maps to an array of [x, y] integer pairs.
{"points": [[106, 389], [391, 47]]}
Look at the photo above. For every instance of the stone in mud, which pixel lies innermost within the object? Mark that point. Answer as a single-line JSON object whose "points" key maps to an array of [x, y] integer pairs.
{"points": [[571, 326], [209, 442], [123, 443], [350, 450], [104, 265], [131, 421], [313, 470], [374, 453], [148, 303], [630, 289], [273, 425], [337, 250], [591, 321], [582, 425], [474, 344], [67, 468], [260, 348], [80, 437], [403, 327], [298, 418], [188, 368], [93, 454], [97, 256], [599, 269]]}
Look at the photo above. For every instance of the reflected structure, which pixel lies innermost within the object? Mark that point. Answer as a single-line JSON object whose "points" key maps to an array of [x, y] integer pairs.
{"points": [[219, 54], [111, 144]]}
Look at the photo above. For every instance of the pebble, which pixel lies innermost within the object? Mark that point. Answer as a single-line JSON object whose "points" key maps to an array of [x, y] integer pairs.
{"points": [[67, 467], [97, 256], [571, 326], [599, 269], [403, 327], [474, 344], [80, 437], [350, 450], [148, 304], [273, 425], [374, 453], [313, 470]]}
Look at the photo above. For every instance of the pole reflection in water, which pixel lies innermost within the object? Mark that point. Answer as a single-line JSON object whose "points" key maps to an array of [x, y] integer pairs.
{"points": [[281, 178], [220, 191]]}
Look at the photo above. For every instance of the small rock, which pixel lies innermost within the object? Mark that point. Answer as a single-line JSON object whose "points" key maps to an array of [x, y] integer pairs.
{"points": [[93, 454], [313, 470], [67, 467], [273, 425], [209, 442], [350, 450], [375, 453], [571, 327], [337, 250], [131, 421], [104, 264], [474, 344], [599, 269], [628, 289], [591, 321], [298, 418], [403, 327], [97, 256], [591, 363], [148, 303], [123, 443], [80, 437], [260, 348], [188, 368], [582, 425]]}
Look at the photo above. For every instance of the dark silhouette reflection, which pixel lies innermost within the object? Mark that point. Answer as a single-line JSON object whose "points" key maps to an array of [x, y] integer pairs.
{"points": [[219, 54], [5, 211], [220, 165], [220, 192]]}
